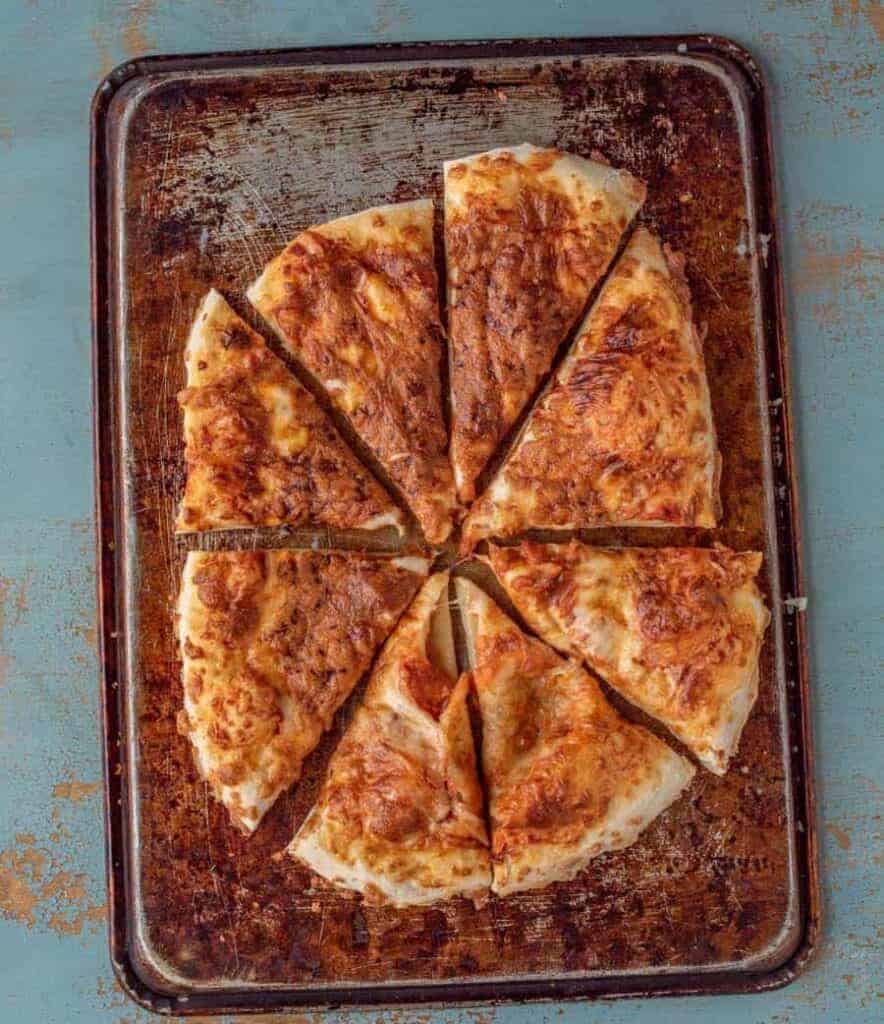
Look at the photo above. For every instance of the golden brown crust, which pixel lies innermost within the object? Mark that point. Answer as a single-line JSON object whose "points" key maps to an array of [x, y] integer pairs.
{"points": [[567, 776], [259, 450], [272, 644], [528, 232], [625, 434], [356, 301], [675, 630], [399, 815]]}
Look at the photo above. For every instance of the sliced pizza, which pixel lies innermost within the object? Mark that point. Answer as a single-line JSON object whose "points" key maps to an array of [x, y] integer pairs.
{"points": [[676, 631], [528, 234], [272, 643], [399, 818], [356, 301], [259, 450], [568, 778], [624, 436]]}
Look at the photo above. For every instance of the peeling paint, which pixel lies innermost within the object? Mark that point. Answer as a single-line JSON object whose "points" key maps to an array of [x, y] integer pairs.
{"points": [[392, 15], [875, 14], [13, 608], [39, 884], [74, 790], [842, 838], [59, 903], [106, 61], [137, 40], [853, 266]]}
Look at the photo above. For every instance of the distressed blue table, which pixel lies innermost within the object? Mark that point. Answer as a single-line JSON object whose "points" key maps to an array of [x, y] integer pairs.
{"points": [[823, 62]]}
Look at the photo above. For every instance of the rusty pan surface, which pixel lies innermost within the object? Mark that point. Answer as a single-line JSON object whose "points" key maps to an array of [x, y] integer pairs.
{"points": [[203, 168]]}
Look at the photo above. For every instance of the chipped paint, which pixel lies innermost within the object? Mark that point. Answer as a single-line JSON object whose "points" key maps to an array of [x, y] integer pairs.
{"points": [[842, 838], [103, 51], [826, 152], [13, 609], [875, 14], [852, 266], [74, 790], [59, 902], [137, 39]]}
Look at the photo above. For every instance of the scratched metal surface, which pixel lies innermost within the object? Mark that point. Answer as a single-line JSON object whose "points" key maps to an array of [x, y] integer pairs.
{"points": [[823, 61], [211, 173]]}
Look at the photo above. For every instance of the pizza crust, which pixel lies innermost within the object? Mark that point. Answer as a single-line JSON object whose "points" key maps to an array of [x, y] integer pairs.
{"points": [[259, 449], [528, 233], [272, 643], [356, 302], [568, 778], [624, 435], [676, 631], [399, 816]]}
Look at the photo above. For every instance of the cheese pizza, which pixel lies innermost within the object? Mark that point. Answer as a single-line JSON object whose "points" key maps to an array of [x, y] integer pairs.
{"points": [[272, 643], [399, 818], [568, 778], [676, 631], [259, 450], [356, 302], [528, 233], [624, 436]]}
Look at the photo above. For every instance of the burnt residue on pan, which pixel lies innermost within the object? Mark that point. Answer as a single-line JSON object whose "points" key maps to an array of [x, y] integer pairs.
{"points": [[221, 171]]}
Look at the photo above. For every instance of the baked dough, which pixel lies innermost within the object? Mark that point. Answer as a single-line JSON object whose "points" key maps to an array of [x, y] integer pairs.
{"points": [[624, 436], [568, 778], [528, 233], [272, 643], [259, 450], [399, 818], [356, 301], [676, 631]]}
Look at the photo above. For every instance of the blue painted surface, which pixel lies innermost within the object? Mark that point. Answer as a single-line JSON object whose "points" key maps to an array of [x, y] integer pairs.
{"points": [[824, 67]]}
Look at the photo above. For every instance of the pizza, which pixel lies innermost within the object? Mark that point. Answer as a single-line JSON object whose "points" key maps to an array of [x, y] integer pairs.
{"points": [[528, 234], [676, 631], [272, 643], [356, 301], [568, 778], [399, 817], [624, 436], [259, 449]]}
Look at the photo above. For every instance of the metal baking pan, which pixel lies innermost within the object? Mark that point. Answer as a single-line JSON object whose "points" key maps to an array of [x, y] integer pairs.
{"points": [[202, 167]]}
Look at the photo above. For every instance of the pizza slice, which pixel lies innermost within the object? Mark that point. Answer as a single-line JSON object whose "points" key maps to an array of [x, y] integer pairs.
{"points": [[624, 436], [356, 301], [272, 643], [259, 450], [676, 631], [568, 778], [528, 234], [399, 818]]}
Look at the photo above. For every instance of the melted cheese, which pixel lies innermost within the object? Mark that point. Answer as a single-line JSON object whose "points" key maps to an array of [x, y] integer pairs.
{"points": [[567, 777], [677, 631], [356, 302], [624, 435], [399, 817], [528, 233], [259, 450], [272, 642]]}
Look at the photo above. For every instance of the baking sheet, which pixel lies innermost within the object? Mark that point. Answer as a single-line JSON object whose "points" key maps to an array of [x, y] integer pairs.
{"points": [[203, 168]]}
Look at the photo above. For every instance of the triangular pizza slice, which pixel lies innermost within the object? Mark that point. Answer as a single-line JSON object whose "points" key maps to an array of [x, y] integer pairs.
{"points": [[624, 436], [272, 643], [259, 450], [528, 234], [568, 778], [676, 631], [399, 818], [356, 301]]}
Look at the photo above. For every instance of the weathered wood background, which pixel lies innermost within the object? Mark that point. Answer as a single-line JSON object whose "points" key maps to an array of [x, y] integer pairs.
{"points": [[824, 66]]}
